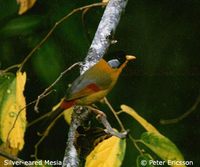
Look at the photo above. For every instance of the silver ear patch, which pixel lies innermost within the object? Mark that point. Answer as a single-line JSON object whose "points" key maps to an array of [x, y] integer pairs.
{"points": [[114, 63]]}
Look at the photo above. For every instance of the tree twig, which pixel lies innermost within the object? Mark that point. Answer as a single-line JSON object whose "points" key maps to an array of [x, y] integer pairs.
{"points": [[10, 68], [85, 28], [53, 28], [44, 135], [114, 113], [136, 145], [188, 112], [50, 87], [38, 119]]}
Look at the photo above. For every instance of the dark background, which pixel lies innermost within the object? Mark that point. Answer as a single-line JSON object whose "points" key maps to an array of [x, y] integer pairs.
{"points": [[163, 83]]}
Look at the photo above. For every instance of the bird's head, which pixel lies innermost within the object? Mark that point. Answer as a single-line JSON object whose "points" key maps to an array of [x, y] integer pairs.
{"points": [[119, 58]]}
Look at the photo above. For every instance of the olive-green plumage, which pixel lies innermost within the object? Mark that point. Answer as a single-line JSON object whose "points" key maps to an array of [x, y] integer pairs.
{"points": [[93, 85]]}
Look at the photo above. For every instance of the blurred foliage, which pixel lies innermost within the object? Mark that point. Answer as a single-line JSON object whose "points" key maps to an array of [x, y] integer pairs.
{"points": [[163, 83]]}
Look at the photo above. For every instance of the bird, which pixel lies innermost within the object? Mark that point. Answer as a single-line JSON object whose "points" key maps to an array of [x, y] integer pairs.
{"points": [[93, 85]]}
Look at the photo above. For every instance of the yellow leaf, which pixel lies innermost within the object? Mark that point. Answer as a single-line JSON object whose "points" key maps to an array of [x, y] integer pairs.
{"points": [[108, 153], [68, 115], [137, 117], [12, 113], [25, 5], [105, 1]]}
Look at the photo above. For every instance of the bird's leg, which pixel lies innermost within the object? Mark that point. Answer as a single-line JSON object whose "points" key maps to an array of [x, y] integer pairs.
{"points": [[99, 113], [101, 116]]}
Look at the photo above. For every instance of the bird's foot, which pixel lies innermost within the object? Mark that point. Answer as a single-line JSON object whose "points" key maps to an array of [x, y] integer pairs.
{"points": [[101, 116], [99, 113], [121, 135]]}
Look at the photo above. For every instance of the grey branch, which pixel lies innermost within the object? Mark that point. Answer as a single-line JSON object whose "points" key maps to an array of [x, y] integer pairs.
{"points": [[99, 46], [104, 33], [71, 156]]}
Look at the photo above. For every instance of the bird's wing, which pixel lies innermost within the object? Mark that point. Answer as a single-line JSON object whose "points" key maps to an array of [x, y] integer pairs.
{"points": [[83, 87]]}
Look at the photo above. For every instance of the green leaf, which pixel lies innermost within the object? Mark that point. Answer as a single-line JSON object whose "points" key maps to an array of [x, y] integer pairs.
{"points": [[143, 160], [162, 146], [5, 81]]}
